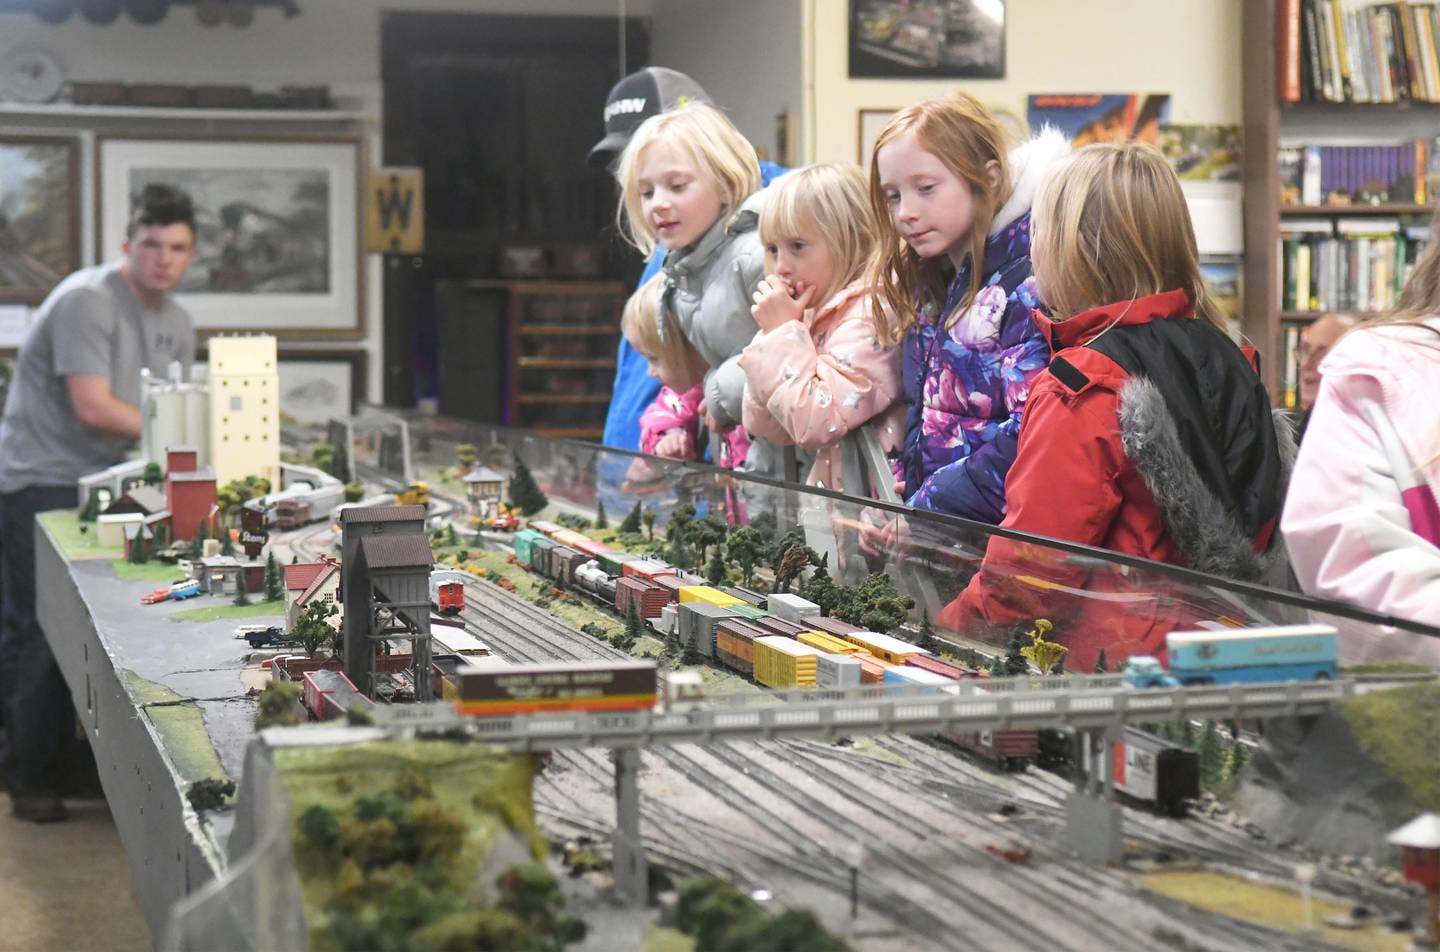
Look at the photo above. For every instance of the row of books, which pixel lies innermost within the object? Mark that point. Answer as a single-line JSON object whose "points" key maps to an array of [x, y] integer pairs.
{"points": [[1359, 51], [1354, 264], [1355, 174]]}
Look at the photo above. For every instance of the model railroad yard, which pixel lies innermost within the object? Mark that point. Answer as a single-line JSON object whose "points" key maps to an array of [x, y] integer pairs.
{"points": [[951, 851]]}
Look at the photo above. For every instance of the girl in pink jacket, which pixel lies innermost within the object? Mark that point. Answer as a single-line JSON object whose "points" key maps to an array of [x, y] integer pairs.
{"points": [[1361, 521], [822, 364], [668, 427]]}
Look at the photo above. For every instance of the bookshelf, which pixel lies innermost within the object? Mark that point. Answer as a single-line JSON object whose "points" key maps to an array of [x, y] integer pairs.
{"points": [[1268, 124]]}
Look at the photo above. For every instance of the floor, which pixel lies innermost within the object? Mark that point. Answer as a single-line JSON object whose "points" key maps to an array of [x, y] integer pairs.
{"points": [[66, 886]]}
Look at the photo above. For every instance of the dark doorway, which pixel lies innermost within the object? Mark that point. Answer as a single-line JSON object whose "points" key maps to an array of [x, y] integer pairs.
{"points": [[500, 112]]}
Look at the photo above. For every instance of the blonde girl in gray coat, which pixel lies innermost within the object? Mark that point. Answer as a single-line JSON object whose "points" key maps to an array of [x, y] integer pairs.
{"points": [[690, 182]]}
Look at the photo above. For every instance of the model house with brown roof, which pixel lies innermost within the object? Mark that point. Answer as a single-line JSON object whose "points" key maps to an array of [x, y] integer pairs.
{"points": [[307, 581]]}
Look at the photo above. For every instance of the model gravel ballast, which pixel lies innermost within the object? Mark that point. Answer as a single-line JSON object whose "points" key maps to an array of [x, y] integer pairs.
{"points": [[500, 691]]}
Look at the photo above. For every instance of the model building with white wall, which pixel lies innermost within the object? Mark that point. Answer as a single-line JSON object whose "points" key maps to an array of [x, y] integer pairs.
{"points": [[244, 408]]}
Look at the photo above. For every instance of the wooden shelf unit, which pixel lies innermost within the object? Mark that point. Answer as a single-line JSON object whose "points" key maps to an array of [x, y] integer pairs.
{"points": [[1264, 123], [536, 351]]}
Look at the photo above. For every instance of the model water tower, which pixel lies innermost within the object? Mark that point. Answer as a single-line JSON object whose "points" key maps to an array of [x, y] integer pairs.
{"points": [[1419, 842]]}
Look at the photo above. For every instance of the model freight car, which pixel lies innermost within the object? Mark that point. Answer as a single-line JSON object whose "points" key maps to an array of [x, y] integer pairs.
{"points": [[564, 561], [648, 597], [881, 646], [1151, 769], [646, 568], [707, 594], [523, 541], [499, 691], [1284, 653], [783, 663], [747, 595], [540, 551], [775, 625], [791, 607], [937, 666], [329, 694], [735, 644], [831, 626], [698, 622], [828, 643], [836, 670], [612, 562]]}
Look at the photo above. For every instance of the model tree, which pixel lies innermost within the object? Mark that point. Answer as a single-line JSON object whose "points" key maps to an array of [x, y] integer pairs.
{"points": [[796, 536], [153, 475], [634, 627], [677, 533], [715, 570], [1016, 664], [820, 588], [465, 456], [792, 563], [323, 456], [227, 544], [278, 705], [764, 523], [242, 589], [631, 522], [311, 628], [452, 538], [601, 521], [705, 533], [875, 604], [525, 493], [1101, 665], [745, 548], [274, 587], [197, 544], [927, 634], [648, 517], [91, 512], [137, 549], [1212, 758], [1044, 654], [354, 491]]}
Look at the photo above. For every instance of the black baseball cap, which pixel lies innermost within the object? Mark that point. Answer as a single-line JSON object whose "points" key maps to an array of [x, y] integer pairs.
{"points": [[637, 97]]}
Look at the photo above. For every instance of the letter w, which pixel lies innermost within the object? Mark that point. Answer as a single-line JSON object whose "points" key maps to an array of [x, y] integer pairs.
{"points": [[395, 202]]}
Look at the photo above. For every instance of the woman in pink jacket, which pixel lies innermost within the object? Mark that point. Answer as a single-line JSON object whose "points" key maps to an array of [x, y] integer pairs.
{"points": [[822, 364], [1361, 521]]}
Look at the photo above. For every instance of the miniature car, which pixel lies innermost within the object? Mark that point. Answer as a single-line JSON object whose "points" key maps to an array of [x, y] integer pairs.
{"points": [[184, 590], [155, 597], [258, 636], [505, 522], [1143, 671]]}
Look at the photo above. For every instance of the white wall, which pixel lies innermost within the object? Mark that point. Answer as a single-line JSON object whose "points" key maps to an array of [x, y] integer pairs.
{"points": [[333, 42], [746, 53], [1188, 48]]}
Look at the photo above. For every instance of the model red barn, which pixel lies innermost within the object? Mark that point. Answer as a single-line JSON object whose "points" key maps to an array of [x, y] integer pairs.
{"points": [[189, 496]]}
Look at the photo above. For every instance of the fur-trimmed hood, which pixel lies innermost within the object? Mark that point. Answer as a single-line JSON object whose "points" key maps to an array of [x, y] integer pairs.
{"points": [[1207, 534], [1029, 165]]}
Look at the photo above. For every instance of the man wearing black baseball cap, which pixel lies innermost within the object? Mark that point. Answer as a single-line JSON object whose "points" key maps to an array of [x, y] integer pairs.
{"points": [[634, 99]]}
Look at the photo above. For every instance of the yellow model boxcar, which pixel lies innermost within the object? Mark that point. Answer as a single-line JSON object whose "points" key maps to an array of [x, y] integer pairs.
{"points": [[884, 647], [708, 595], [782, 662], [828, 643]]}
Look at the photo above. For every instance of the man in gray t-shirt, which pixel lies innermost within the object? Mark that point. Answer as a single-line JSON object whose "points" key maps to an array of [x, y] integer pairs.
{"points": [[72, 409]]}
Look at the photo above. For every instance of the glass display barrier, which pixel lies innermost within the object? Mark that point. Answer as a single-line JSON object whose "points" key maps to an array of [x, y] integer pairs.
{"points": [[974, 582]]}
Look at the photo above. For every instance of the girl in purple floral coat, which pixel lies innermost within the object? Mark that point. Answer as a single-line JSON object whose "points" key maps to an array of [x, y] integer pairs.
{"points": [[942, 181]]}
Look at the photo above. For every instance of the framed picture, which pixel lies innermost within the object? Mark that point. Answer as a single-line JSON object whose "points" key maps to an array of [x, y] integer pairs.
{"points": [[278, 227], [1101, 117], [39, 215], [316, 386], [935, 39], [868, 127]]}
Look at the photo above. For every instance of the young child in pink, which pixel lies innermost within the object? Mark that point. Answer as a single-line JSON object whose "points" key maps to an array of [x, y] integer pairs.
{"points": [[668, 427], [825, 361]]}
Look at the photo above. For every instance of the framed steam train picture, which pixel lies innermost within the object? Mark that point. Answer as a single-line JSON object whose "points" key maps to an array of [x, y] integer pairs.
{"points": [[277, 227], [927, 39]]}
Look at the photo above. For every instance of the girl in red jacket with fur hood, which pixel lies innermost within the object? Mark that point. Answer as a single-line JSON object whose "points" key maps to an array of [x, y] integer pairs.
{"points": [[1150, 433]]}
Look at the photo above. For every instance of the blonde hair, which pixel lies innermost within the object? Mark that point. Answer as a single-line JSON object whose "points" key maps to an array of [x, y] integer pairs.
{"points": [[676, 360], [709, 140], [1110, 225], [965, 135], [829, 201]]}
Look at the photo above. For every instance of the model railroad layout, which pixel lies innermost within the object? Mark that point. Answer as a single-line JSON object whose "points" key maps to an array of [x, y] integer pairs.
{"points": [[942, 839]]}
